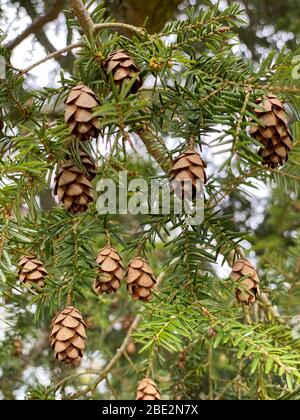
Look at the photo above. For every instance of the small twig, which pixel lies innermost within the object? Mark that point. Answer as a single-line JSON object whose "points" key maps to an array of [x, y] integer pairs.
{"points": [[103, 374], [191, 143], [78, 44], [210, 374], [263, 298], [107, 238], [240, 120], [69, 301], [50, 56], [118, 25], [247, 315]]}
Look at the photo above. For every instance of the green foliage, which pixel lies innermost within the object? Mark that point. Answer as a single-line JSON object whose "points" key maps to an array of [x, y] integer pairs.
{"points": [[192, 337]]}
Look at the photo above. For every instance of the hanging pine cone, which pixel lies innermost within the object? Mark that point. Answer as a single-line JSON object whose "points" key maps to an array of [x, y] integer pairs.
{"points": [[79, 112], [147, 390], [111, 272], [273, 132], [73, 188], [140, 279], [88, 165], [68, 336], [247, 290], [123, 68], [187, 169], [32, 271]]}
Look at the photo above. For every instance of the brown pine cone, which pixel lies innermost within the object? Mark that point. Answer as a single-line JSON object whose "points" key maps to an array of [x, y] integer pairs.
{"points": [[80, 104], [147, 390], [111, 272], [68, 336], [247, 290], [187, 169], [88, 165], [123, 68], [73, 188], [31, 270], [140, 279], [273, 132]]}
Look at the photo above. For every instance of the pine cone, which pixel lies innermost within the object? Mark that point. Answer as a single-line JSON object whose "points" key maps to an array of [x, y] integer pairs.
{"points": [[140, 279], [31, 270], [247, 290], [79, 112], [67, 336], [88, 165], [73, 188], [123, 68], [147, 390], [111, 271], [273, 133], [187, 169]]}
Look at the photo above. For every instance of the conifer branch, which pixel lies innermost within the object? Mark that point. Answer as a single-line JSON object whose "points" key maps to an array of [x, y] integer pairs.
{"points": [[119, 353]]}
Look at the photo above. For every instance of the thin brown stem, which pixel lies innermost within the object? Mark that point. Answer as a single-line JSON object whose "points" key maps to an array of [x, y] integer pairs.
{"points": [[50, 56], [118, 25]]}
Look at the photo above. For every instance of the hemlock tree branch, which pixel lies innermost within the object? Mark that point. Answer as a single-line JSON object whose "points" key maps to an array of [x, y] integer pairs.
{"points": [[118, 26], [119, 353], [195, 311], [161, 156], [78, 44]]}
